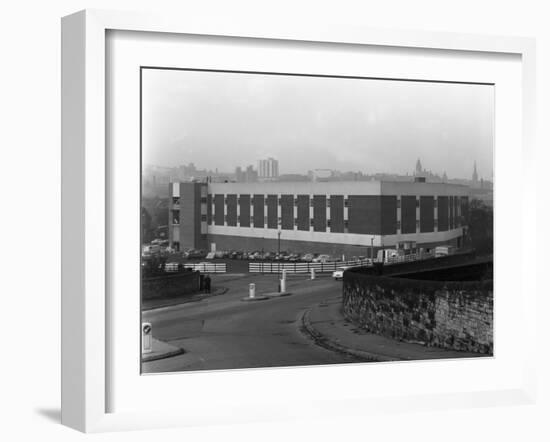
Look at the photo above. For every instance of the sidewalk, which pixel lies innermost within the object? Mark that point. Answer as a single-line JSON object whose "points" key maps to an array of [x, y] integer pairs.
{"points": [[326, 325], [161, 350]]}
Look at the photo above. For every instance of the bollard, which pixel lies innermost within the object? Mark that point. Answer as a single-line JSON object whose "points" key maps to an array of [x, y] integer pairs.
{"points": [[312, 273], [284, 274], [251, 290], [283, 285], [146, 337]]}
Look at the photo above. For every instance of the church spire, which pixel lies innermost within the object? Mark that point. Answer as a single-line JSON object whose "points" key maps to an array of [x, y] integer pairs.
{"points": [[474, 175], [418, 168]]}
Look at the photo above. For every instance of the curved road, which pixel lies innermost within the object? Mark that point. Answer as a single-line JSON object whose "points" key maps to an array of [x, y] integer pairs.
{"points": [[223, 332]]}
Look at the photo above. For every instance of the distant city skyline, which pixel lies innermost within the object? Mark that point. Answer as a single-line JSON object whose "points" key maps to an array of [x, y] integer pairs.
{"points": [[474, 176], [228, 120]]}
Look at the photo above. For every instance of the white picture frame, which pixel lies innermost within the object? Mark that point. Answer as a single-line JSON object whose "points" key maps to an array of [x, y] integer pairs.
{"points": [[85, 235]]}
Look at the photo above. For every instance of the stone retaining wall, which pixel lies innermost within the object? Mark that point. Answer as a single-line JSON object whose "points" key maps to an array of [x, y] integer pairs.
{"points": [[454, 315]]}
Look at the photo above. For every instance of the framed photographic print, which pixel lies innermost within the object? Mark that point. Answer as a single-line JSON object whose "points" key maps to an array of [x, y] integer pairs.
{"points": [[275, 222]]}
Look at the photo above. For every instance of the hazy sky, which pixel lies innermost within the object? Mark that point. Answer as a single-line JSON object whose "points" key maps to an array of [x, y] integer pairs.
{"points": [[223, 120]]}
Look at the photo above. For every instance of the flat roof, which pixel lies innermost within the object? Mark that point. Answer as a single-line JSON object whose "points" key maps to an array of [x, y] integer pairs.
{"points": [[341, 188]]}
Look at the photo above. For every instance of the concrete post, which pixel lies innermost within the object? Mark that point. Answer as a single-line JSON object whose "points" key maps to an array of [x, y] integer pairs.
{"points": [[283, 285], [312, 273], [284, 274], [146, 337], [251, 290]]}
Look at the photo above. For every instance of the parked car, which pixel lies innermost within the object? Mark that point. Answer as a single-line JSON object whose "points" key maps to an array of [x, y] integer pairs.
{"points": [[150, 250], [294, 257], [196, 254], [338, 274], [308, 257], [322, 258]]}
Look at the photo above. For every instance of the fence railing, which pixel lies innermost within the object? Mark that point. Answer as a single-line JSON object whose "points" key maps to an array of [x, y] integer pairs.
{"points": [[325, 267], [302, 267], [203, 267]]}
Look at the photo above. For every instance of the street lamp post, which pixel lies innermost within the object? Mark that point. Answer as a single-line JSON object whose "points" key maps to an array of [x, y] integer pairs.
{"points": [[372, 248], [279, 250]]}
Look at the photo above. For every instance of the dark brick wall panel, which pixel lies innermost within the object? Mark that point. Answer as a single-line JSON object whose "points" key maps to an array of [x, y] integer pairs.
{"points": [[337, 213], [388, 209], [259, 211], [426, 214], [442, 213], [319, 213], [271, 203], [232, 210], [244, 208], [218, 210], [303, 212], [287, 212], [451, 212], [408, 214], [364, 214]]}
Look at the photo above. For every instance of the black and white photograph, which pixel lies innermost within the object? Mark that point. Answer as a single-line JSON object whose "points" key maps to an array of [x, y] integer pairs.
{"points": [[300, 219]]}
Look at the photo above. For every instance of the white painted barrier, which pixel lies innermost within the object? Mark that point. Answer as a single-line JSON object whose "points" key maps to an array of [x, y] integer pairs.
{"points": [[146, 337], [204, 267]]}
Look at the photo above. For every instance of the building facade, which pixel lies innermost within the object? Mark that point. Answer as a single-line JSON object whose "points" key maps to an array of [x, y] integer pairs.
{"points": [[268, 169], [350, 218]]}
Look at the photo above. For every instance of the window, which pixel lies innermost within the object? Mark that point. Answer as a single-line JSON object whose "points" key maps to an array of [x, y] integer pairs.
{"points": [[346, 202], [398, 225], [399, 203], [328, 202], [175, 200]]}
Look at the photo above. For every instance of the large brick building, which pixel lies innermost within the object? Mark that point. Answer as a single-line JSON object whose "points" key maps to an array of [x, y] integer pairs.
{"points": [[328, 217]]}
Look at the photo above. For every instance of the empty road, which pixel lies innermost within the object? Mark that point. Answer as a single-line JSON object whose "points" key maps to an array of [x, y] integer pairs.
{"points": [[223, 332]]}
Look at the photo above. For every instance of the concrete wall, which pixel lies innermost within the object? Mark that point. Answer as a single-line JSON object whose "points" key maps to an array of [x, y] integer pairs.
{"points": [[453, 315]]}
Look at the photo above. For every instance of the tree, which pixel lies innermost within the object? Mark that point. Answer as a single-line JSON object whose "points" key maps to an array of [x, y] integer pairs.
{"points": [[480, 226]]}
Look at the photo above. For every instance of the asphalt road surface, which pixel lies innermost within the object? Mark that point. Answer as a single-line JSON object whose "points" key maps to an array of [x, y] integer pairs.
{"points": [[223, 332]]}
